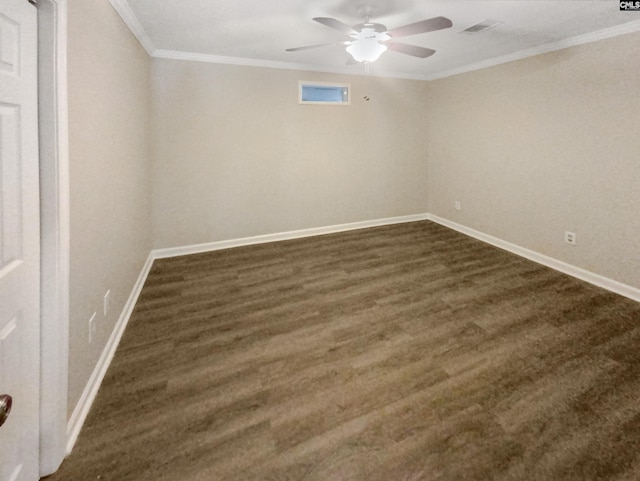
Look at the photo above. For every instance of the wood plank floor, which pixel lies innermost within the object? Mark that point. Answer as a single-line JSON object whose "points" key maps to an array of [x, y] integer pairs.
{"points": [[408, 352]]}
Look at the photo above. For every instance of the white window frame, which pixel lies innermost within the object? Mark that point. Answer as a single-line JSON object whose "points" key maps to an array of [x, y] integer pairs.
{"points": [[311, 83]]}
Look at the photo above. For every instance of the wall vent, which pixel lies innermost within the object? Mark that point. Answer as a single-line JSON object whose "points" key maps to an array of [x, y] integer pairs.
{"points": [[480, 27]]}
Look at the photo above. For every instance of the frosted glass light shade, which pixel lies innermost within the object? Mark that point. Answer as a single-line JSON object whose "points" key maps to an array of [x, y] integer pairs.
{"points": [[366, 50]]}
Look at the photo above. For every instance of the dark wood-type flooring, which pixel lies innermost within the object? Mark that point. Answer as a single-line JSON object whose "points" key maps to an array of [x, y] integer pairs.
{"points": [[408, 352]]}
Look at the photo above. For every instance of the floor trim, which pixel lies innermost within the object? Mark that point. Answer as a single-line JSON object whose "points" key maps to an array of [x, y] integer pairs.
{"points": [[81, 410], [577, 272], [295, 234]]}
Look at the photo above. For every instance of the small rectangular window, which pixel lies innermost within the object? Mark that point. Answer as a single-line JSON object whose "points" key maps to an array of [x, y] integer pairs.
{"points": [[323, 93]]}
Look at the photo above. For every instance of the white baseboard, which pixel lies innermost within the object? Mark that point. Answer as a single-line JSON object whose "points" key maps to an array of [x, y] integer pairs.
{"points": [[83, 406], [91, 389], [577, 272], [295, 234]]}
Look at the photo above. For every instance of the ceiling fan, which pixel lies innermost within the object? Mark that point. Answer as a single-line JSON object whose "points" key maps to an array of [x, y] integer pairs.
{"points": [[370, 40]]}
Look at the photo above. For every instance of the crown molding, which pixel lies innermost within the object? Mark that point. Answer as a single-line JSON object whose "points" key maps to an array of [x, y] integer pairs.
{"points": [[629, 27], [249, 62], [131, 20]]}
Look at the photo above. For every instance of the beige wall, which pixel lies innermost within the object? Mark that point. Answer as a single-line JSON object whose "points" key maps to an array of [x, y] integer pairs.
{"points": [[109, 106], [236, 155], [543, 145]]}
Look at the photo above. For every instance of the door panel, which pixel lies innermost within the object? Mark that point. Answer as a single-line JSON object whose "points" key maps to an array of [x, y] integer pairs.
{"points": [[19, 240]]}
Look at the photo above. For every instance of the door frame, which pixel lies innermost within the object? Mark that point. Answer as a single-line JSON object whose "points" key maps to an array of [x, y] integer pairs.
{"points": [[54, 228]]}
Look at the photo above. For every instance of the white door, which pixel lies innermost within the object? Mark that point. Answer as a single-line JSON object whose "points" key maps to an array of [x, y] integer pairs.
{"points": [[19, 240]]}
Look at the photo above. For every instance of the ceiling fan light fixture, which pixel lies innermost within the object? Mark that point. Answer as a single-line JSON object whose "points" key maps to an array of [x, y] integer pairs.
{"points": [[366, 50]]}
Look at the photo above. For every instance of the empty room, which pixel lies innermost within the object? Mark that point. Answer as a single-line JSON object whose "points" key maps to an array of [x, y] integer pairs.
{"points": [[328, 240]]}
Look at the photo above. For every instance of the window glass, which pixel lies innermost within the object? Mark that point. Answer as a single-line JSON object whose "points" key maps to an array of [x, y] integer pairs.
{"points": [[323, 93]]}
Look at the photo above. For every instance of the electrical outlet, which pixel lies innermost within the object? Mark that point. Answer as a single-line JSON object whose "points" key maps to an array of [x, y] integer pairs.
{"points": [[570, 237], [105, 304], [92, 327], [457, 205]]}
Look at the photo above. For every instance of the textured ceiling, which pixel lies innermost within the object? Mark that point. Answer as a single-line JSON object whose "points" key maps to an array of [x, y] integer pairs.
{"points": [[257, 32]]}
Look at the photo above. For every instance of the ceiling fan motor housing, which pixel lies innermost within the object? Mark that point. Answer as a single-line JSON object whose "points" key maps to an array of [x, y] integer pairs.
{"points": [[377, 27]]}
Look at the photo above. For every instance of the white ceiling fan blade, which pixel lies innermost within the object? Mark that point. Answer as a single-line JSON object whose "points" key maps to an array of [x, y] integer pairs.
{"points": [[413, 50], [311, 47], [336, 25], [424, 26]]}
